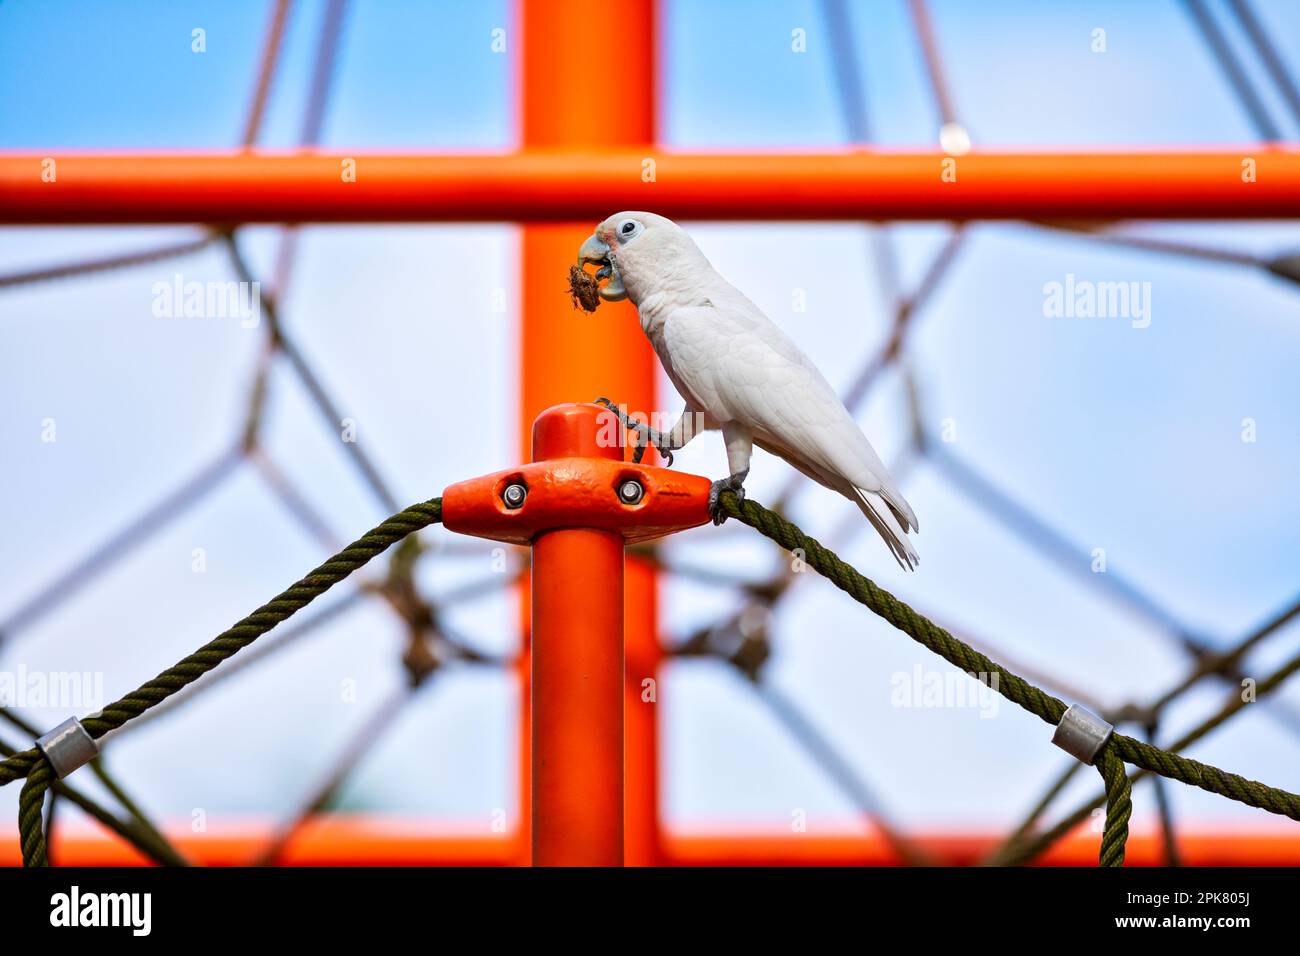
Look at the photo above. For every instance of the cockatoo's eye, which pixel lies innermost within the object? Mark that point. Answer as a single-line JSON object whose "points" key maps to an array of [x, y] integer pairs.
{"points": [[629, 229]]}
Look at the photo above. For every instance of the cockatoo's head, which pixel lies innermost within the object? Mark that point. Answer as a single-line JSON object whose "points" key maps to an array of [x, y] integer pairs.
{"points": [[639, 252]]}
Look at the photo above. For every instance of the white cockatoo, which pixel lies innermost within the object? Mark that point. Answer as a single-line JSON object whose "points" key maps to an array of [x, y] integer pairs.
{"points": [[740, 373]]}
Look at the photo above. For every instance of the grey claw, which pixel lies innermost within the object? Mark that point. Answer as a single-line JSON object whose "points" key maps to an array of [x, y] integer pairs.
{"points": [[715, 506], [734, 483], [655, 439], [646, 436]]}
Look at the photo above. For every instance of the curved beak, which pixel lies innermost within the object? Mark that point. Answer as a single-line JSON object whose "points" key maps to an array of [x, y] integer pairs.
{"points": [[593, 250], [596, 250]]}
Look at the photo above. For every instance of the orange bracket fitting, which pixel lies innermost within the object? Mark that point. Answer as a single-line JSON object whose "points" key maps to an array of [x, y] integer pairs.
{"points": [[578, 505], [575, 481]]}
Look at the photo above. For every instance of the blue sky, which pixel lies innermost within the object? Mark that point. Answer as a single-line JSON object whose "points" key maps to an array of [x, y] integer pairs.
{"points": [[1127, 439]]}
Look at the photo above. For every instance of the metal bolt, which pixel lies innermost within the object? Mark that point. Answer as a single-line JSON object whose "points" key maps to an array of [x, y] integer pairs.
{"points": [[630, 492], [514, 495]]}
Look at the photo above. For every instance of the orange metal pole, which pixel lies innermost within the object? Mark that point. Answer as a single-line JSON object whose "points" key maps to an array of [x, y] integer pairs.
{"points": [[340, 839], [577, 504], [568, 172], [567, 356], [577, 680], [1195, 847]]}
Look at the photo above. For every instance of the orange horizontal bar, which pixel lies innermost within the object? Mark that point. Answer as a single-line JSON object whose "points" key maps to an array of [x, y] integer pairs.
{"points": [[1196, 848], [325, 840], [1248, 182], [365, 840]]}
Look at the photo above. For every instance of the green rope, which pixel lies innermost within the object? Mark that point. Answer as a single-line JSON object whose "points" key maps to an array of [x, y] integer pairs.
{"points": [[1014, 688], [32, 763], [1119, 806], [138, 830], [31, 803], [136, 835], [1021, 848], [1110, 763]]}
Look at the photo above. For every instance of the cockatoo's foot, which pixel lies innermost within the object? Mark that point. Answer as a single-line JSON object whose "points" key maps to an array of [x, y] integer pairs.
{"points": [[646, 435], [734, 483]]}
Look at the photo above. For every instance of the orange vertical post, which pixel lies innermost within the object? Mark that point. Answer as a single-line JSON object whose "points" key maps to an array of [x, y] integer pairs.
{"points": [[577, 505], [577, 678], [572, 96]]}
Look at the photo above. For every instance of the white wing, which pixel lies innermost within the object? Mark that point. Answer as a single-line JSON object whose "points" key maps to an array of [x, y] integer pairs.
{"points": [[735, 364]]}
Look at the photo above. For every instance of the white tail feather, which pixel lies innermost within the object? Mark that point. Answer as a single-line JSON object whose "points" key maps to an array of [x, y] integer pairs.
{"points": [[881, 516]]}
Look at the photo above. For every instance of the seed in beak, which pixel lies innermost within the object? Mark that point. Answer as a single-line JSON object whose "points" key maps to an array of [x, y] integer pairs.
{"points": [[584, 290]]}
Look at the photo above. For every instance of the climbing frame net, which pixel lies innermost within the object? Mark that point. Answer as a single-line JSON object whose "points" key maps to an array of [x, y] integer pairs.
{"points": [[432, 642]]}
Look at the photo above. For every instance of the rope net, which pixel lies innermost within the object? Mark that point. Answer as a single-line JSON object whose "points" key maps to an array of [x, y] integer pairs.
{"points": [[432, 640], [1119, 749]]}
